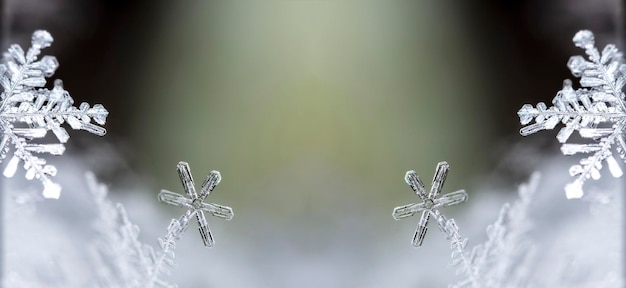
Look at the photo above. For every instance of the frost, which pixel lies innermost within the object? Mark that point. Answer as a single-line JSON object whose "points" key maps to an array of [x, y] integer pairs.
{"points": [[504, 260], [430, 203], [28, 111], [122, 260], [460, 258], [597, 111]]}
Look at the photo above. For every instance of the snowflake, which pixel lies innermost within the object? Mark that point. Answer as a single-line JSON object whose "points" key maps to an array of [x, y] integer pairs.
{"points": [[597, 111], [28, 111], [429, 203], [195, 202]]}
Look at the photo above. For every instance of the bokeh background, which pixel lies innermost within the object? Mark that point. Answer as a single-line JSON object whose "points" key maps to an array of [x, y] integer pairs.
{"points": [[369, 88], [311, 110]]}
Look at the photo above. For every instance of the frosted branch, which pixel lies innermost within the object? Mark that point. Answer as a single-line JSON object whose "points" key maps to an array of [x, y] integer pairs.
{"points": [[503, 260], [124, 261], [460, 259]]}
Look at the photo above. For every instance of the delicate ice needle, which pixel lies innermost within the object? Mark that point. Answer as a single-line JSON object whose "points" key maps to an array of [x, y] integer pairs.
{"points": [[195, 202], [430, 203]]}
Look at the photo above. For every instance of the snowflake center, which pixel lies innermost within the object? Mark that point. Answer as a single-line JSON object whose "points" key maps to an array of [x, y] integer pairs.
{"points": [[196, 203], [428, 203]]}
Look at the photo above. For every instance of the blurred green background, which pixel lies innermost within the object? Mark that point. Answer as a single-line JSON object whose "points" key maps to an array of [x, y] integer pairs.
{"points": [[289, 98]]}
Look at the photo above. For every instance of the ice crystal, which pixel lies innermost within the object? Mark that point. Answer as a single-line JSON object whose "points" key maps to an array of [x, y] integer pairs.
{"points": [[177, 227], [165, 258], [430, 203], [195, 204], [123, 260], [460, 258], [597, 111], [504, 259], [28, 111]]}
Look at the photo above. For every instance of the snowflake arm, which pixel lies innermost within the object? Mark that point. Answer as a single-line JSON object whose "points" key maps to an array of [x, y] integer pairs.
{"points": [[28, 111], [597, 112]]}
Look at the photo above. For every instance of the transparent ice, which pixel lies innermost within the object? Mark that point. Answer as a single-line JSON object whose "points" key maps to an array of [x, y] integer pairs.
{"points": [[28, 111], [430, 203], [597, 111], [195, 204]]}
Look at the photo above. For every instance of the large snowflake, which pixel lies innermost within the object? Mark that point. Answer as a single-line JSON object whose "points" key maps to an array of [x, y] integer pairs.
{"points": [[597, 111], [28, 111]]}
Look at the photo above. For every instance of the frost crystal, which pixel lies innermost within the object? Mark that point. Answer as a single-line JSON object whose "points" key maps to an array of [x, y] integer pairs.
{"points": [[123, 260], [28, 111], [504, 259], [430, 203], [195, 204], [597, 111], [457, 245]]}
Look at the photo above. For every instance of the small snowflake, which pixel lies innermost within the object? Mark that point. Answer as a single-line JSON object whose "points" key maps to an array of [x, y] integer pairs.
{"points": [[597, 112], [430, 202], [28, 111], [195, 202]]}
